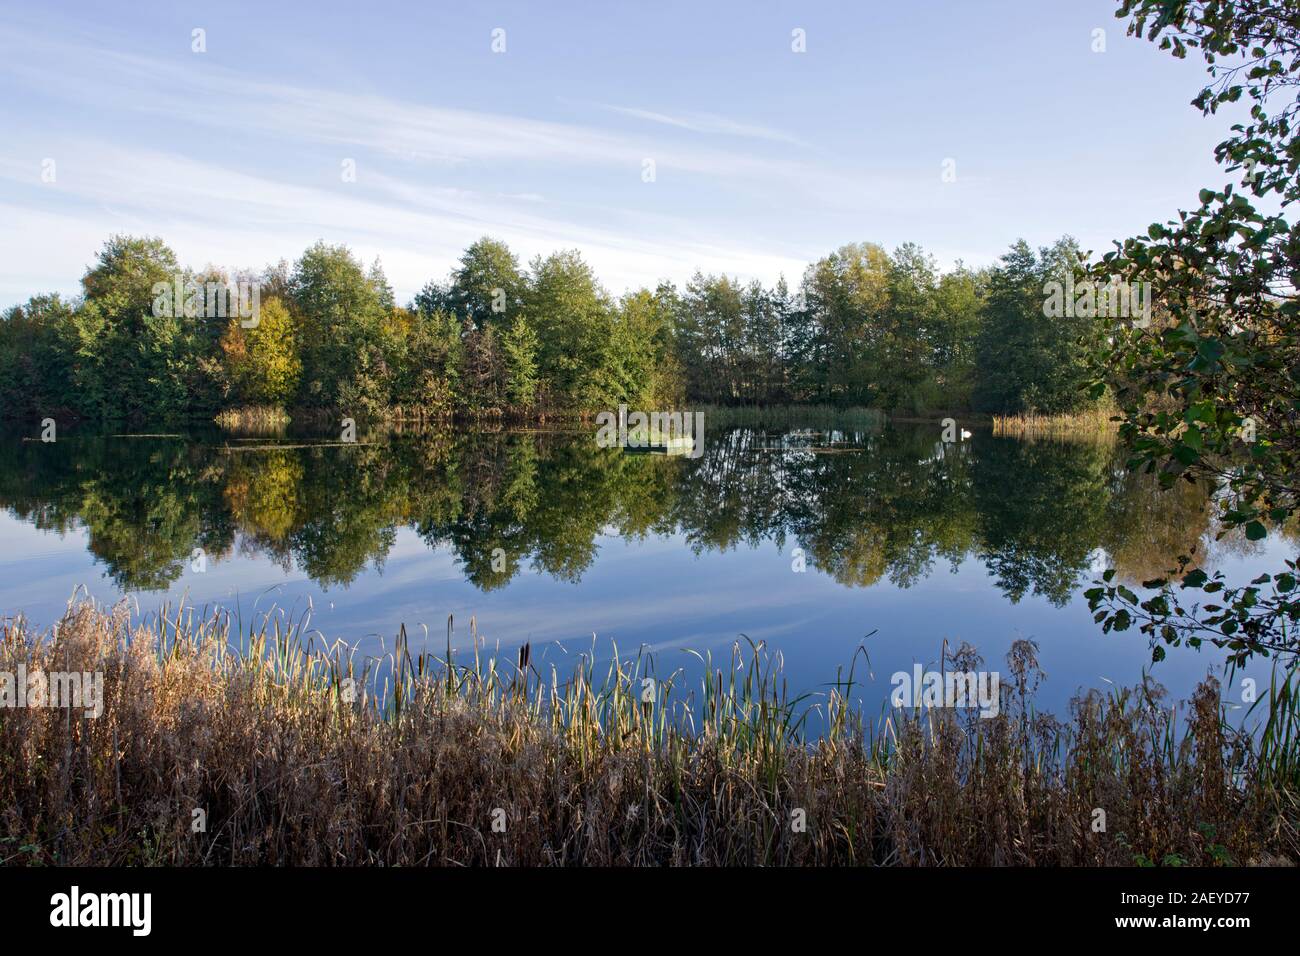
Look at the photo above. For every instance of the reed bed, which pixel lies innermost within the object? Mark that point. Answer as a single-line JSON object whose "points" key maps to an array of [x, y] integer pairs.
{"points": [[1090, 425], [254, 419], [488, 759]]}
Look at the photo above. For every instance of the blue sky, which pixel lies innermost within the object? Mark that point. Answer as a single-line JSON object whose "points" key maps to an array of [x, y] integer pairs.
{"points": [[764, 158]]}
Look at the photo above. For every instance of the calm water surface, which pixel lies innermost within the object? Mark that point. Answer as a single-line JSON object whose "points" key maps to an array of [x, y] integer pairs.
{"points": [[985, 541]]}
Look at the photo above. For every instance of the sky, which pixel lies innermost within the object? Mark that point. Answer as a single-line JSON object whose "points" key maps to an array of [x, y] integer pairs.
{"points": [[657, 139]]}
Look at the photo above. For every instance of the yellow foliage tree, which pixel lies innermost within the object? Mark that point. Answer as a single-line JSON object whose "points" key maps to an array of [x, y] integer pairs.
{"points": [[263, 361]]}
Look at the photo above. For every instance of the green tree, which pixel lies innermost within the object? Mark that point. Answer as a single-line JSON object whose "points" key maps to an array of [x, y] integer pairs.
{"points": [[958, 318], [846, 294], [346, 331], [1028, 362], [427, 361], [571, 314], [646, 344], [486, 286], [133, 352], [902, 365], [1212, 393], [711, 336], [798, 343], [520, 346], [483, 369], [761, 364], [37, 342]]}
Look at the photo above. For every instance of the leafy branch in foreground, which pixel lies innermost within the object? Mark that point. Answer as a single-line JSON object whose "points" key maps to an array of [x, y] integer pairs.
{"points": [[1211, 391], [1245, 620]]}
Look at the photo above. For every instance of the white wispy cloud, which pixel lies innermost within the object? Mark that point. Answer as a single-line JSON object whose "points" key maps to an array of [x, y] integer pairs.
{"points": [[709, 123], [210, 213], [237, 170]]}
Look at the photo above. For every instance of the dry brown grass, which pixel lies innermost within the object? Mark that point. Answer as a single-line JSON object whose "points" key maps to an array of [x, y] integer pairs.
{"points": [[1090, 425], [254, 419], [416, 770]]}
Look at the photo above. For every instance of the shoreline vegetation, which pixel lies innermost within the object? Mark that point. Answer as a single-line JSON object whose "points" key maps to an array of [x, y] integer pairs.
{"points": [[261, 419], [1089, 424], [492, 758], [1094, 424]]}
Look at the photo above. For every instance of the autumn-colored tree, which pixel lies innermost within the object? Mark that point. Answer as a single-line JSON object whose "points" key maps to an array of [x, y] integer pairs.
{"points": [[262, 360]]}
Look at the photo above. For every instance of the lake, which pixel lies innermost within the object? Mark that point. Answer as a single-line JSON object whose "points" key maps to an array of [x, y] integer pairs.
{"points": [[806, 540]]}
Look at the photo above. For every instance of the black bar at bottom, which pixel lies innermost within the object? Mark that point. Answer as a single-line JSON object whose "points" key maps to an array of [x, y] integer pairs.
{"points": [[335, 905]]}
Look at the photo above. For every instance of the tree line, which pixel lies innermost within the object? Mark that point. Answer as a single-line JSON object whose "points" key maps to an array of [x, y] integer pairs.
{"points": [[864, 327]]}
